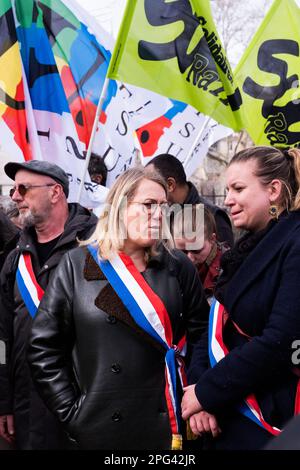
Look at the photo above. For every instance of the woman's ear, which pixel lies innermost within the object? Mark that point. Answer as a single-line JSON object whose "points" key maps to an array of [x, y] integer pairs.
{"points": [[213, 238], [275, 189]]}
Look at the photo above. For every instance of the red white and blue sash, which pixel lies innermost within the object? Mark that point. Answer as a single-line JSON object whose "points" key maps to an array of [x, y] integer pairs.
{"points": [[149, 312], [31, 292], [218, 350]]}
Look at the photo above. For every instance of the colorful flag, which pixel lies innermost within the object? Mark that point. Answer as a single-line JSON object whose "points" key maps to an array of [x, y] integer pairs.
{"points": [[52, 70], [181, 131], [268, 76], [13, 125], [173, 48], [49, 93], [140, 122]]}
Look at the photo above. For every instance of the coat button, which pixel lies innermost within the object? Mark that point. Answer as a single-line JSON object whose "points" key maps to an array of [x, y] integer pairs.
{"points": [[111, 319], [116, 416], [115, 368]]}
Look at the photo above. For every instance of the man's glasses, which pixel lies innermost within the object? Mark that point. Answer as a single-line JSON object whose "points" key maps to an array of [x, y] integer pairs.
{"points": [[23, 188], [151, 207]]}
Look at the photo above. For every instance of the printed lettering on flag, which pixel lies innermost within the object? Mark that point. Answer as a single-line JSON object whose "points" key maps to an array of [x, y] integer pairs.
{"points": [[268, 76], [173, 48]]}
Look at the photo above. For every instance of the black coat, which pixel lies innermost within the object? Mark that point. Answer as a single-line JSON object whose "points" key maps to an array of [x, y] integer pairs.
{"points": [[263, 299], [223, 223], [100, 374], [9, 235], [35, 427]]}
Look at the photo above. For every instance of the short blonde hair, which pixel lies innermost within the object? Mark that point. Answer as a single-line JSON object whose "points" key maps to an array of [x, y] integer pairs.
{"points": [[109, 233]]}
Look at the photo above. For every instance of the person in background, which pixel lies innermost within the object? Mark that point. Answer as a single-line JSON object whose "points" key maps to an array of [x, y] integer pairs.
{"points": [[98, 174], [51, 227], [207, 256], [10, 209], [182, 192], [97, 169], [9, 235], [105, 362], [244, 381]]}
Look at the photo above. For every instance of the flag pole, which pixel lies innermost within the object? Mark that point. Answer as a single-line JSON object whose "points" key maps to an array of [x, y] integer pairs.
{"points": [[93, 133], [198, 136]]}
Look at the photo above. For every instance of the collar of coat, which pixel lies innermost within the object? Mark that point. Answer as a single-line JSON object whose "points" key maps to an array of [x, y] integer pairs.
{"points": [[109, 302]]}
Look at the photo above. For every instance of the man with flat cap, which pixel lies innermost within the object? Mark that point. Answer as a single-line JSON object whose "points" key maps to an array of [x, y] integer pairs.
{"points": [[51, 227]]}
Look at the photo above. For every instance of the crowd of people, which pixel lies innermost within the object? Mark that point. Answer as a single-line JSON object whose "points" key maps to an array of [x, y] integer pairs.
{"points": [[151, 325]]}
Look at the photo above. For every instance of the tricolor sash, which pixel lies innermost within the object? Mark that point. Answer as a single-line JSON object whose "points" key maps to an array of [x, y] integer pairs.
{"points": [[31, 292], [217, 351], [149, 312]]}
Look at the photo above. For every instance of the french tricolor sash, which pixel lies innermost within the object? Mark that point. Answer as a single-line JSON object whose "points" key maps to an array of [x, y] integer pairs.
{"points": [[217, 351], [31, 292], [149, 312]]}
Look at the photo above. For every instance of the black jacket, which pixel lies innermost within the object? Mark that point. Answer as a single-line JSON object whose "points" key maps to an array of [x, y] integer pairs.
{"points": [[100, 374], [263, 299], [9, 235], [35, 426], [224, 228]]}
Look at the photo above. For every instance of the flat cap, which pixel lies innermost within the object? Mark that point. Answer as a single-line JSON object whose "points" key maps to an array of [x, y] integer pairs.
{"points": [[40, 167]]}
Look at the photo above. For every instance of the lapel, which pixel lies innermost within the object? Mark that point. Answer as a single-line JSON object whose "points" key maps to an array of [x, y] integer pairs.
{"points": [[266, 250], [109, 302]]}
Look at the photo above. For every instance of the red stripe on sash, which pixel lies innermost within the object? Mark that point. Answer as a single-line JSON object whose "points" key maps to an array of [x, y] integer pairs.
{"points": [[28, 264], [155, 300]]}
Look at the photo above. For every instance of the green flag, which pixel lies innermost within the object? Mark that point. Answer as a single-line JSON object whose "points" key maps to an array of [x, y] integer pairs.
{"points": [[172, 48], [268, 76]]}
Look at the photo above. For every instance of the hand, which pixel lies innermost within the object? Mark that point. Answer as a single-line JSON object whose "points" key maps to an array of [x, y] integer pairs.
{"points": [[7, 428], [190, 404], [204, 422]]}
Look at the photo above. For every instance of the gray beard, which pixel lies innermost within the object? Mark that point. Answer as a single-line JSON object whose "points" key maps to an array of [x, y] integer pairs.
{"points": [[27, 220]]}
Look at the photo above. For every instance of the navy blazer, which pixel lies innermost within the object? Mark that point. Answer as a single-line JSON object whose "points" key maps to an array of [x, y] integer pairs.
{"points": [[263, 299]]}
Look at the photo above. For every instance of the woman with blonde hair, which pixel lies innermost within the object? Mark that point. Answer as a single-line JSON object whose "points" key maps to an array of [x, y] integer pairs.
{"points": [[108, 342], [243, 374]]}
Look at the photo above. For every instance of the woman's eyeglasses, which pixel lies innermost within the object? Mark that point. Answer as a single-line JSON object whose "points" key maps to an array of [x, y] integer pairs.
{"points": [[23, 188], [194, 252], [151, 207]]}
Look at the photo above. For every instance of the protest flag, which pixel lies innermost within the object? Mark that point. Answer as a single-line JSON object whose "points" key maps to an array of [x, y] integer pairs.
{"points": [[173, 48], [268, 76]]}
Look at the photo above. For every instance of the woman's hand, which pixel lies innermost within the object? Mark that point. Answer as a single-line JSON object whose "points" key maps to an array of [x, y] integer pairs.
{"points": [[7, 428], [190, 404], [204, 422]]}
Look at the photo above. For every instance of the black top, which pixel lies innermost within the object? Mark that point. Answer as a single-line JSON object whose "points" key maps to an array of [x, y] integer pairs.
{"points": [[44, 249]]}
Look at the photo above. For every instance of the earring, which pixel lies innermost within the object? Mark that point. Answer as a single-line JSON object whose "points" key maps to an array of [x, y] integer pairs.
{"points": [[273, 211]]}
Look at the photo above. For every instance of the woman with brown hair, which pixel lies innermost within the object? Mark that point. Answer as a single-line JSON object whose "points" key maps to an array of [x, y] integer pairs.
{"points": [[245, 384]]}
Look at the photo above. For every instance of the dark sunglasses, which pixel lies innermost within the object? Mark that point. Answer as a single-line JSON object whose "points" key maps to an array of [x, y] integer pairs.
{"points": [[23, 188]]}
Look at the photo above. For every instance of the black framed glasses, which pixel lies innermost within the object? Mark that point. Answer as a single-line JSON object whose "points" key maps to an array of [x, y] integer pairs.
{"points": [[23, 188], [152, 206]]}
